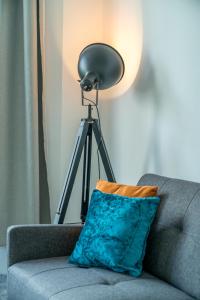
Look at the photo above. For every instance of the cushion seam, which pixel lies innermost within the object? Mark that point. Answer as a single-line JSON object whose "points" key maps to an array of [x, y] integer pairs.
{"points": [[165, 228], [49, 270], [91, 284], [168, 179], [75, 287], [190, 203]]}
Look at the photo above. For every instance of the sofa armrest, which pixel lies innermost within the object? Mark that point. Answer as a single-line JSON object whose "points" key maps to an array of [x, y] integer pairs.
{"points": [[26, 242]]}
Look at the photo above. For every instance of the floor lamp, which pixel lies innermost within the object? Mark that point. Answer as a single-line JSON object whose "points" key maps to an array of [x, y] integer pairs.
{"points": [[100, 67]]}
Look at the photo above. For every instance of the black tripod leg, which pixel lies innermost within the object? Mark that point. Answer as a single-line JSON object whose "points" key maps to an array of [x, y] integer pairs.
{"points": [[86, 174], [69, 181], [103, 152]]}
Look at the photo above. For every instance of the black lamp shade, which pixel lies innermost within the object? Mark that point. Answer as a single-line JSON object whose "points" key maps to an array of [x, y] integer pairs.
{"points": [[99, 66]]}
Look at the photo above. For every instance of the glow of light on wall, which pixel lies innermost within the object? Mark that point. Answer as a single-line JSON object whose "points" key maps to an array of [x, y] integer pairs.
{"points": [[114, 22]]}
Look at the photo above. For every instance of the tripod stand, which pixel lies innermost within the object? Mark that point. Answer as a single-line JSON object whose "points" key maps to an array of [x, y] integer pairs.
{"points": [[87, 127]]}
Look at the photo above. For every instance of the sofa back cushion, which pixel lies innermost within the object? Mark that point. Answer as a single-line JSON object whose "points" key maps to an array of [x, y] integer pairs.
{"points": [[173, 248]]}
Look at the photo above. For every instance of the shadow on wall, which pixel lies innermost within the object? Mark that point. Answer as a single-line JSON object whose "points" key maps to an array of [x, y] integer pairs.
{"points": [[146, 87]]}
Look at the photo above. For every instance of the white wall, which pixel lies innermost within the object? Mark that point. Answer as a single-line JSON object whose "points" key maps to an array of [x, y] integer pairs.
{"points": [[53, 65], [62, 105], [154, 126]]}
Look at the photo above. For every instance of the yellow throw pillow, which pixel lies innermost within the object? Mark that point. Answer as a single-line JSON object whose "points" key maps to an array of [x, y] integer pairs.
{"points": [[126, 190]]}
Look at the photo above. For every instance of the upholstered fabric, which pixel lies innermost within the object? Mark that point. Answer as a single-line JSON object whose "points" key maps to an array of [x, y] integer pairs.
{"points": [[115, 232], [173, 249], [26, 242], [56, 279], [173, 255], [126, 190]]}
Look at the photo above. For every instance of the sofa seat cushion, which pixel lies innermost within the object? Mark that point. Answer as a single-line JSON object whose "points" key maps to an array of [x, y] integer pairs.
{"points": [[56, 279]]}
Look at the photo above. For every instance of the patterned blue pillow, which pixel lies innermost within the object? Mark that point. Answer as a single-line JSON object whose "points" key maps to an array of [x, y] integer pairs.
{"points": [[115, 233]]}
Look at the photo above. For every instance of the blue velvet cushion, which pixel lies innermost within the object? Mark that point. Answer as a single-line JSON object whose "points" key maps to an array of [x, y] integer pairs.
{"points": [[115, 233]]}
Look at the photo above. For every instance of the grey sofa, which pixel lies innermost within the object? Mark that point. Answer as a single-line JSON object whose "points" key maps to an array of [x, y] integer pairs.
{"points": [[38, 267]]}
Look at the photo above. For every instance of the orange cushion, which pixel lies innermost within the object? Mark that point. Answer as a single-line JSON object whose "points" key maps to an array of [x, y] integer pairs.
{"points": [[126, 190]]}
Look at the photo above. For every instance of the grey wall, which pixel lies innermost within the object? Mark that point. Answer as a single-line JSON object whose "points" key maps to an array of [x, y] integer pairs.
{"points": [[155, 125]]}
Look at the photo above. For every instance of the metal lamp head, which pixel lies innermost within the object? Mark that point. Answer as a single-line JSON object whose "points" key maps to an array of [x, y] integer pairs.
{"points": [[100, 67]]}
